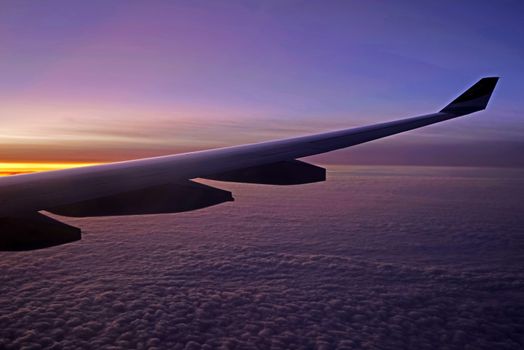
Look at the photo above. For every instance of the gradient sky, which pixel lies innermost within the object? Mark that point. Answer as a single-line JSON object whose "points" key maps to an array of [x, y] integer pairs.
{"points": [[95, 81]]}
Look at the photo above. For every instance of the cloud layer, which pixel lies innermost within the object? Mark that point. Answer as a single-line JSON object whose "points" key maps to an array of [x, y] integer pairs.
{"points": [[391, 261]]}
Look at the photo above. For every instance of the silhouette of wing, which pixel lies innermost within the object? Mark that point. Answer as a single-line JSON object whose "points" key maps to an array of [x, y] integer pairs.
{"points": [[163, 184]]}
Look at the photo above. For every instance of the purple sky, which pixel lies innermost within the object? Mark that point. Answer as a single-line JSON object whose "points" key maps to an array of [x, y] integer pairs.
{"points": [[99, 80]]}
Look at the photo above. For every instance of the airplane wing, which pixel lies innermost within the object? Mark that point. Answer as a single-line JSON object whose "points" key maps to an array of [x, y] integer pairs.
{"points": [[163, 184]]}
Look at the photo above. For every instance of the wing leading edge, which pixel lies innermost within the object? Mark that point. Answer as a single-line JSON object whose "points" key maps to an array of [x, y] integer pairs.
{"points": [[30, 193]]}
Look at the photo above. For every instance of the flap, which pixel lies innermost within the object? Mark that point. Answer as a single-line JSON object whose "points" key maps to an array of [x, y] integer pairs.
{"points": [[293, 172], [170, 198]]}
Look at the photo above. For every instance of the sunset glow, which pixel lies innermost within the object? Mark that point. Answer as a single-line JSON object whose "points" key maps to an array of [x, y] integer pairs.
{"points": [[23, 168]]}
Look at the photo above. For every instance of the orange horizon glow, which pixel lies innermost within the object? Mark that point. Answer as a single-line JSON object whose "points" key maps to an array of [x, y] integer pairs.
{"points": [[15, 168]]}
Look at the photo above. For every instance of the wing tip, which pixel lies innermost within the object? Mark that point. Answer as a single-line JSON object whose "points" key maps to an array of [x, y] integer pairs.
{"points": [[474, 99]]}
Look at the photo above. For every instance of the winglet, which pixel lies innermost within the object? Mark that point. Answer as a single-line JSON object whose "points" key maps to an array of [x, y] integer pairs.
{"points": [[474, 99]]}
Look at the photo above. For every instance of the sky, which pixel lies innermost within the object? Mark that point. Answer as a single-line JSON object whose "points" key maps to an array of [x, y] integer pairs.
{"points": [[98, 81]]}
